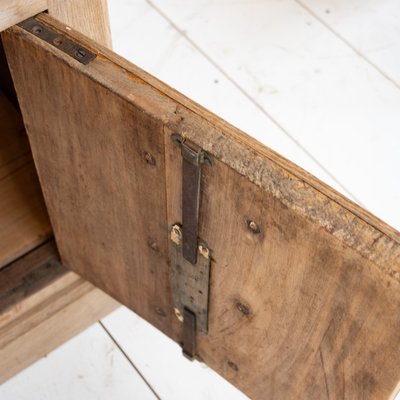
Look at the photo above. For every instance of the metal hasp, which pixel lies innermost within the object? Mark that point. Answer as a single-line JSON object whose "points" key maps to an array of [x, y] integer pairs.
{"points": [[190, 290], [58, 40], [192, 159], [190, 257]]}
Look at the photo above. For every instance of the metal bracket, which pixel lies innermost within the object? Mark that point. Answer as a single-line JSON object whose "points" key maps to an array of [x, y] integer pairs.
{"points": [[193, 157], [190, 257], [190, 288], [58, 40]]}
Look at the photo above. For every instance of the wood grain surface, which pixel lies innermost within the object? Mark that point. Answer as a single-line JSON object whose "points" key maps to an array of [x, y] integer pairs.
{"points": [[89, 17], [14, 11], [42, 305], [24, 223], [306, 308]]}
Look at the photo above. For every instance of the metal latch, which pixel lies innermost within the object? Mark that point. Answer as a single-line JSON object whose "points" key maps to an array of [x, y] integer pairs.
{"points": [[190, 256], [58, 40]]}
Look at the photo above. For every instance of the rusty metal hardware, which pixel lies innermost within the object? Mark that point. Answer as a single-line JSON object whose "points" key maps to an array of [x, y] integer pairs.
{"points": [[190, 290], [189, 345], [190, 283], [58, 40], [193, 157]]}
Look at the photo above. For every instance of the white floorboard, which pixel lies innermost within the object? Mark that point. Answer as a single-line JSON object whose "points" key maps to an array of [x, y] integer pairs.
{"points": [[326, 97], [88, 367], [372, 27], [162, 364], [144, 37]]}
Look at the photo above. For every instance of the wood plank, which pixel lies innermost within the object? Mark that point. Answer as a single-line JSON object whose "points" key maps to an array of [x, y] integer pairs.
{"points": [[14, 11], [24, 223], [42, 305], [306, 308], [89, 17]]}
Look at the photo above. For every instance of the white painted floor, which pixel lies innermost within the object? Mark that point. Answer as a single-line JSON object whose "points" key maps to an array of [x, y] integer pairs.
{"points": [[316, 80]]}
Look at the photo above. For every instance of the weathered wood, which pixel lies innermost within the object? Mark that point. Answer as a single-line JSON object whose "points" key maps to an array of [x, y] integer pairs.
{"points": [[42, 305], [89, 17], [24, 223], [306, 308], [14, 11]]}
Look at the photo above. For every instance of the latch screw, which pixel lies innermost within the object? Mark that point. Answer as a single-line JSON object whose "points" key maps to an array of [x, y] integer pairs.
{"points": [[178, 314], [80, 53], [253, 226]]}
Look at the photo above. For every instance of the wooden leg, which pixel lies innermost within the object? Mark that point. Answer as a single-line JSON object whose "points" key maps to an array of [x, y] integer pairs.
{"points": [[89, 17]]}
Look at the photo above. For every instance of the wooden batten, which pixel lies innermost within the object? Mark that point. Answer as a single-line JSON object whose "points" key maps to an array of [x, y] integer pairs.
{"points": [[42, 305]]}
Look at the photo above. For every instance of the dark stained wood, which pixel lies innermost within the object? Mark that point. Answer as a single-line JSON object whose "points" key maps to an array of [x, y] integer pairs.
{"points": [[305, 308], [24, 223], [42, 304]]}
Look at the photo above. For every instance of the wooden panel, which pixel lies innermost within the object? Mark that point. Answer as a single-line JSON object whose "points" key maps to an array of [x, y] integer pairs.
{"points": [[122, 247], [14, 11], [23, 218], [89, 17], [306, 308], [42, 305]]}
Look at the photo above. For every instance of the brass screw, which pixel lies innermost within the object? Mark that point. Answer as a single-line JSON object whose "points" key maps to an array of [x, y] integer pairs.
{"points": [[178, 314], [253, 226], [176, 234], [204, 251]]}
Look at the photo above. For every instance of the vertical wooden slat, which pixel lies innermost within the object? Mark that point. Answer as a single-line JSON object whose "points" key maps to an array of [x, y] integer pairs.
{"points": [[89, 17]]}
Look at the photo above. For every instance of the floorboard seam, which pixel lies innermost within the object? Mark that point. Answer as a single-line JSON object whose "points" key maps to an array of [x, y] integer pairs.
{"points": [[129, 360]]}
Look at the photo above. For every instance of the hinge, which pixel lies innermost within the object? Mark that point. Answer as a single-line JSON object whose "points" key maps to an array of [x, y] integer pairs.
{"points": [[58, 40], [190, 256]]}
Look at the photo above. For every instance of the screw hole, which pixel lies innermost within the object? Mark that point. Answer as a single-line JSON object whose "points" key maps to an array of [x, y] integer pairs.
{"points": [[58, 41], [36, 29]]}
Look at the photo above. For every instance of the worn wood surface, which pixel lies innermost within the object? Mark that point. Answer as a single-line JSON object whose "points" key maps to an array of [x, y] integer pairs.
{"points": [[14, 11], [42, 305], [23, 218], [89, 17], [306, 308]]}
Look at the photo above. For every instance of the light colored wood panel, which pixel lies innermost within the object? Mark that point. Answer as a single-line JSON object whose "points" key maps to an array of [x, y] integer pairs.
{"points": [[294, 313], [24, 223], [42, 304], [89, 17], [124, 248], [309, 293], [14, 11]]}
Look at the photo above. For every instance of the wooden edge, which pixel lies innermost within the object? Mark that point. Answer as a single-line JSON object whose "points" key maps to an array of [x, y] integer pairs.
{"points": [[42, 305], [295, 188]]}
